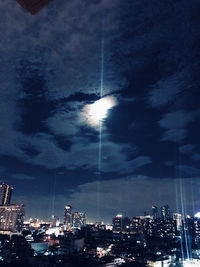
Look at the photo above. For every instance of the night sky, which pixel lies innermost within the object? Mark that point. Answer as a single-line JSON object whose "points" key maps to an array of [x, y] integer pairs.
{"points": [[51, 74]]}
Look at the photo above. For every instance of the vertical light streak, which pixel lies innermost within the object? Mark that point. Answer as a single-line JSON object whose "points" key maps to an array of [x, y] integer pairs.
{"points": [[182, 199], [100, 121], [53, 196], [179, 210], [101, 94]]}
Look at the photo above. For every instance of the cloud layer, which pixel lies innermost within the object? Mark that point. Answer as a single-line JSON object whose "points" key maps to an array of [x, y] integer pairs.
{"points": [[142, 55]]}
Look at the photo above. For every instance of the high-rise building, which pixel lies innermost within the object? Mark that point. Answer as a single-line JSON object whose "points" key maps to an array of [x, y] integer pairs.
{"points": [[68, 216], [54, 222], [165, 212], [11, 218], [5, 194], [155, 212], [121, 224], [79, 219], [178, 218], [136, 225]]}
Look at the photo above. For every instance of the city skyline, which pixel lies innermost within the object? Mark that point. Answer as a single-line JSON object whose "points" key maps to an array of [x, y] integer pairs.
{"points": [[69, 213], [99, 106]]}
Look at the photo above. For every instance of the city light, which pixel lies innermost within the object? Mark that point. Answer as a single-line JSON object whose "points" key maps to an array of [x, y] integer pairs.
{"points": [[197, 215], [119, 216], [190, 263]]}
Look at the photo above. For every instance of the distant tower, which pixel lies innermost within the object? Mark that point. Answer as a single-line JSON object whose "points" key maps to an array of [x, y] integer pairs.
{"points": [[155, 212], [68, 216], [5, 194], [165, 212]]}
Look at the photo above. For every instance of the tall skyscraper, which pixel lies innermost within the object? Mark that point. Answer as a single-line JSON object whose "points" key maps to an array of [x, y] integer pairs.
{"points": [[79, 219], [121, 224], [155, 212], [5, 194], [178, 218], [11, 218], [68, 216], [165, 212], [54, 222]]}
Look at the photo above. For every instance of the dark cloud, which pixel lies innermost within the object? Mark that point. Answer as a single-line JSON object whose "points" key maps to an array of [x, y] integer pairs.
{"points": [[22, 176], [178, 119], [2, 170], [176, 122], [195, 157], [187, 149], [51, 73], [174, 135], [168, 90], [188, 171]]}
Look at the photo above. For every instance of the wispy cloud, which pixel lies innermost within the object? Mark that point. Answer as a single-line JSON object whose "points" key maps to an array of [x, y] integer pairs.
{"points": [[188, 171], [86, 156], [176, 123], [196, 157], [169, 89], [187, 149]]}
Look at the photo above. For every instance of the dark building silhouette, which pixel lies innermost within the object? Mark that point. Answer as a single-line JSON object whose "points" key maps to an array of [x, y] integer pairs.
{"points": [[155, 212], [121, 224], [165, 212], [136, 225], [33, 6], [5, 194], [79, 219], [68, 216], [54, 221]]}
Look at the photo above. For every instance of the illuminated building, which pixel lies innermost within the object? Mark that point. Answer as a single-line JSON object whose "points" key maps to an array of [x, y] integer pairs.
{"points": [[68, 216], [197, 215], [121, 224], [178, 218], [11, 218], [117, 223], [79, 219], [136, 225], [54, 222], [197, 228], [5, 194], [165, 212], [34, 223]]}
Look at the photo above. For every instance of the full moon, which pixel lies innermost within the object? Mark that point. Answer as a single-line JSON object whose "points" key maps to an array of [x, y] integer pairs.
{"points": [[98, 111]]}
